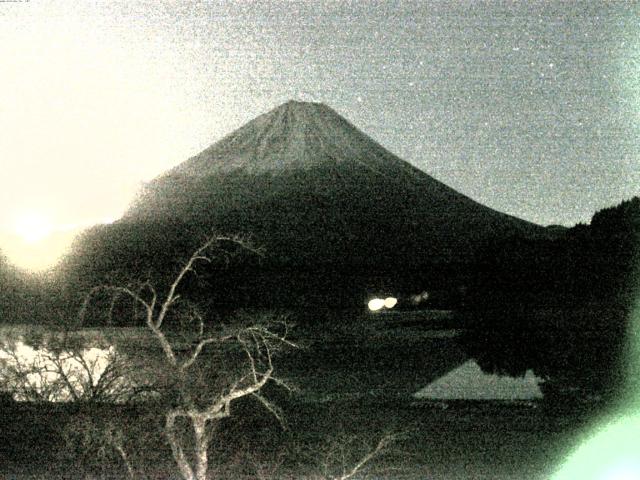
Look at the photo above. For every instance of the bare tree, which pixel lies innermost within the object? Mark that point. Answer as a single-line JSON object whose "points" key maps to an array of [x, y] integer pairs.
{"points": [[348, 457], [238, 363], [339, 457], [62, 368], [29, 378]]}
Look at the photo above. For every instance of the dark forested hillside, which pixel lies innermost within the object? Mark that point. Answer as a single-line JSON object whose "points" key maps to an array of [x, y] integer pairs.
{"points": [[558, 306]]}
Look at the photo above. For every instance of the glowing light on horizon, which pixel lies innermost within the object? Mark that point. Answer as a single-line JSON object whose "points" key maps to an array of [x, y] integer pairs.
{"points": [[390, 302], [33, 227], [32, 241], [78, 146], [38, 256], [376, 304]]}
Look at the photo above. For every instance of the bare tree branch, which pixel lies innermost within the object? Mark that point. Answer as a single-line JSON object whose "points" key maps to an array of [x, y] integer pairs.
{"points": [[382, 444], [257, 342], [176, 448], [196, 352], [171, 297], [273, 409]]}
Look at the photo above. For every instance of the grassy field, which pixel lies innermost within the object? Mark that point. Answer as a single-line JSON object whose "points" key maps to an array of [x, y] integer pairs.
{"points": [[465, 440]]}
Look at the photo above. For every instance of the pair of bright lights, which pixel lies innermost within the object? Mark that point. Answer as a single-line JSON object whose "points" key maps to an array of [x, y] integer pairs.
{"points": [[380, 303]]}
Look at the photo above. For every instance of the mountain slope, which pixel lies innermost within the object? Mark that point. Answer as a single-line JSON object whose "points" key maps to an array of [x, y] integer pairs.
{"points": [[312, 189]]}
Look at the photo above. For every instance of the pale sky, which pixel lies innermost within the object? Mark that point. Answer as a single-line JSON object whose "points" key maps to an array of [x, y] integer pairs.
{"points": [[531, 108]]}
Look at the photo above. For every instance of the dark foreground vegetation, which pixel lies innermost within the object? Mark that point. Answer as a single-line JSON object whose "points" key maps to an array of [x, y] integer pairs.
{"points": [[236, 395], [465, 440], [351, 394], [559, 306]]}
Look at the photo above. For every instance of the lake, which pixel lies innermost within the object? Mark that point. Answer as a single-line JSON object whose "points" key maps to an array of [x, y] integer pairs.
{"points": [[378, 356]]}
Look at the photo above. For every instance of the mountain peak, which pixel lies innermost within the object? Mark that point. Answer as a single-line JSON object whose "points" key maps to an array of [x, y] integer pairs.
{"points": [[300, 113], [300, 104], [294, 135]]}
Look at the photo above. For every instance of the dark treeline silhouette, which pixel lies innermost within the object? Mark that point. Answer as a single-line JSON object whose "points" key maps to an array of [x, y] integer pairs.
{"points": [[25, 297], [560, 305], [129, 253], [318, 286]]}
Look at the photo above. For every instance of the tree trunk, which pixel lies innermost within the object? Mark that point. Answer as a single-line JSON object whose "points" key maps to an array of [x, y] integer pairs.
{"points": [[202, 446], [176, 449]]}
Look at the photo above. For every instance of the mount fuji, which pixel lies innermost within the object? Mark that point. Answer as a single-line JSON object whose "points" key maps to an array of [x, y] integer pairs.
{"points": [[313, 189]]}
